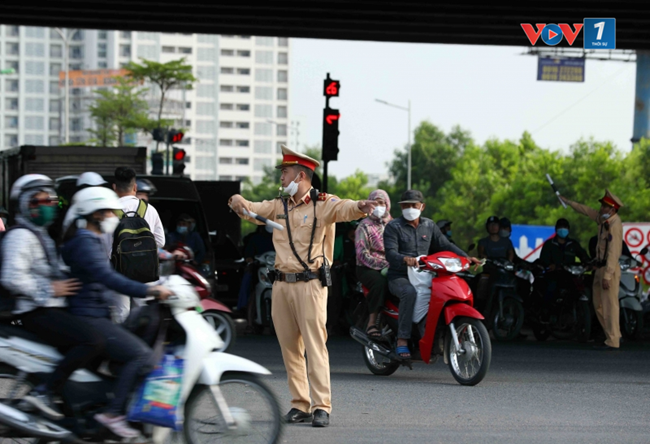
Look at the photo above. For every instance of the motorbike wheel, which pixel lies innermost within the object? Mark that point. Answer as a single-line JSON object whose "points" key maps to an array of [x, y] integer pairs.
{"points": [[378, 364], [252, 404], [631, 323], [507, 328], [224, 326], [8, 378], [541, 333], [584, 322], [470, 367]]}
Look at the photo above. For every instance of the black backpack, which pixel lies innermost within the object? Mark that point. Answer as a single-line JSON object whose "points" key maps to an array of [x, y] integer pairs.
{"points": [[7, 298], [135, 253]]}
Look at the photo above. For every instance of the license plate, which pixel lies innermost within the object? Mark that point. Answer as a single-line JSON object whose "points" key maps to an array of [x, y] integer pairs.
{"points": [[222, 288]]}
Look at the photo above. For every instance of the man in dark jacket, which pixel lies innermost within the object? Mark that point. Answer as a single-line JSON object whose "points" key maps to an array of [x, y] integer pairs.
{"points": [[561, 249], [406, 238]]}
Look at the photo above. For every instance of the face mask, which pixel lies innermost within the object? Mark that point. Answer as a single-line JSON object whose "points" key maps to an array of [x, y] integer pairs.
{"points": [[448, 233], [181, 230], [562, 232], [109, 225], [605, 216], [411, 214], [292, 188], [43, 215], [379, 211], [504, 233], [269, 229]]}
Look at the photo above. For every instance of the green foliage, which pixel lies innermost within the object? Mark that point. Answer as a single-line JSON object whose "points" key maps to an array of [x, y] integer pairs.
{"points": [[353, 187], [117, 112]]}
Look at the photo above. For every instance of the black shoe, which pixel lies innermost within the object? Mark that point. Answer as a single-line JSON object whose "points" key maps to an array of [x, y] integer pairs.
{"points": [[296, 415], [605, 347], [321, 418], [43, 402]]}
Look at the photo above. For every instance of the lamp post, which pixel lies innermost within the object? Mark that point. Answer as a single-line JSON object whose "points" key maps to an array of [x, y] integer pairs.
{"points": [[407, 109], [65, 36]]}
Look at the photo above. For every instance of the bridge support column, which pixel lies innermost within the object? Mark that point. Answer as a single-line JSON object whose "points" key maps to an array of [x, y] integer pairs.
{"points": [[642, 97]]}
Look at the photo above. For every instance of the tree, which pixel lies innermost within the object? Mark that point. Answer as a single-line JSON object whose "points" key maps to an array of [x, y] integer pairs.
{"points": [[353, 187], [119, 111], [175, 74]]}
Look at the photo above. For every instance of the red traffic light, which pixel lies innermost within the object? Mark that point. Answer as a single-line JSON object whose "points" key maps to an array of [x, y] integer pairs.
{"points": [[177, 137], [331, 116], [331, 87], [179, 154]]}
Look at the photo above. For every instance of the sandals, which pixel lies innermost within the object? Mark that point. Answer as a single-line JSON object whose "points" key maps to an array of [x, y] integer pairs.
{"points": [[373, 332], [403, 352]]}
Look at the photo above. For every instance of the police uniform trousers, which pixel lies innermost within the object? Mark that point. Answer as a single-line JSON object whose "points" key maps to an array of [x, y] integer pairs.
{"points": [[299, 313], [607, 306]]}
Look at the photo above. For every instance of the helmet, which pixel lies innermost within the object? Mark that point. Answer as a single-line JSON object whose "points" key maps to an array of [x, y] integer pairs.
{"points": [[492, 220], [505, 223], [30, 182], [90, 179], [145, 186], [443, 223], [92, 199]]}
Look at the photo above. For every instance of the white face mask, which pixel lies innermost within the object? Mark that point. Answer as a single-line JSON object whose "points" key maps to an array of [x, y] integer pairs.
{"points": [[109, 225], [605, 216], [292, 188], [411, 214], [379, 212]]}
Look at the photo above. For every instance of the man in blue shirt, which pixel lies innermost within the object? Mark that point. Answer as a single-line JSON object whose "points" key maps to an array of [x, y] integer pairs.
{"points": [[406, 238]]}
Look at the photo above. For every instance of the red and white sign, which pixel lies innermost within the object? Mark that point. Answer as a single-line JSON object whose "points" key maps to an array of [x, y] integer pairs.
{"points": [[637, 236]]}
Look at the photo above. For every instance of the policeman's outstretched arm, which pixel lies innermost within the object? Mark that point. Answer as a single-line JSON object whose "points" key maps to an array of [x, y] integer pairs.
{"points": [[582, 209]]}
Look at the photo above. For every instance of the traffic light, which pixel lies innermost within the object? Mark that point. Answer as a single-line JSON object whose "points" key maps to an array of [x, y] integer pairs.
{"points": [[158, 134], [174, 136], [178, 161], [157, 164], [331, 87], [330, 134]]}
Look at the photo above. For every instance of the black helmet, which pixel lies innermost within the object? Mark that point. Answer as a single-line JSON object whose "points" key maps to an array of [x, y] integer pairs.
{"points": [[492, 220], [443, 223], [505, 223], [145, 186]]}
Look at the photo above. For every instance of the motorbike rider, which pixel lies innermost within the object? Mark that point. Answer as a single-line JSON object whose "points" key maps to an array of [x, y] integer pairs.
{"points": [[406, 238], [146, 189], [445, 228], [372, 265], [185, 234], [83, 251], [494, 246], [31, 273]]}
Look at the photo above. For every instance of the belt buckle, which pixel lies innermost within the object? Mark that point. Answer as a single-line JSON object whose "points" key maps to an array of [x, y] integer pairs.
{"points": [[290, 277]]}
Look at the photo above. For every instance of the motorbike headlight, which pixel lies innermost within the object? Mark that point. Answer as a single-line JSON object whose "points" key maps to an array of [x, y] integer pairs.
{"points": [[508, 267], [453, 265], [270, 262], [434, 265], [625, 266], [575, 269]]}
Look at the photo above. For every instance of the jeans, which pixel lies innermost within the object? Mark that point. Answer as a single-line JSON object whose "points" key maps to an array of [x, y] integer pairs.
{"points": [[123, 347], [402, 288], [79, 341]]}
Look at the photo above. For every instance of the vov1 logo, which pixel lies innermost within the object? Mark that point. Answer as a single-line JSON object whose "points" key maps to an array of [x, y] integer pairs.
{"points": [[552, 34]]}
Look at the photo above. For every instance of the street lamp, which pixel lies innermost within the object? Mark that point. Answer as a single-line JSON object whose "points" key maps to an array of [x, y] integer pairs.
{"points": [[65, 36], [408, 109]]}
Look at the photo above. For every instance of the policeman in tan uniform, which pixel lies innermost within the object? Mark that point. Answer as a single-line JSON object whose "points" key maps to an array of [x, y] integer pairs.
{"points": [[608, 273], [299, 309]]}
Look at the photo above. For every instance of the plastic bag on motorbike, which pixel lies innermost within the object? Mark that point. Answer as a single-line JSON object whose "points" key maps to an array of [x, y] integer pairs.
{"points": [[421, 280], [159, 399]]}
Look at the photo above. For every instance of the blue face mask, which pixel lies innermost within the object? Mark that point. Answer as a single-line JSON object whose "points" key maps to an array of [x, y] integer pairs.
{"points": [[563, 232], [448, 233], [181, 230]]}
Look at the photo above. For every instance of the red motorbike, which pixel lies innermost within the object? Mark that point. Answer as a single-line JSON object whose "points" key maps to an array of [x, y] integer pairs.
{"points": [[180, 261], [452, 327]]}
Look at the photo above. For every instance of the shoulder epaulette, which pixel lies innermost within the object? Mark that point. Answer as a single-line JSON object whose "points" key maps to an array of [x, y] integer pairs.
{"points": [[322, 196]]}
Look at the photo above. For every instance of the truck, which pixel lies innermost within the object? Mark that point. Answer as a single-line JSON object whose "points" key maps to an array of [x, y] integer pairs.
{"points": [[59, 161]]}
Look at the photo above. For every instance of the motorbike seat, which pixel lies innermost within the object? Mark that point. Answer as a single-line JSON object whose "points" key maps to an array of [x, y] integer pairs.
{"points": [[7, 331]]}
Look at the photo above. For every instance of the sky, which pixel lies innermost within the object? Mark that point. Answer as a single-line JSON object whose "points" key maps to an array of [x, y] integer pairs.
{"points": [[492, 91]]}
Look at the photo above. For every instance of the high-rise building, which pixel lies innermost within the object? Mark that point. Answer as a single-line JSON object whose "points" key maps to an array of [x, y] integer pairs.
{"points": [[235, 118]]}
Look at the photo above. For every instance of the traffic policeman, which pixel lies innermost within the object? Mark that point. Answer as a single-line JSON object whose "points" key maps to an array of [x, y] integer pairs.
{"points": [[608, 273], [304, 251]]}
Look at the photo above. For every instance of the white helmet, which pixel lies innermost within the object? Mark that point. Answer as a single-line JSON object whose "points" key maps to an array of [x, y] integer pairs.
{"points": [[30, 182], [90, 179], [92, 199], [186, 296]]}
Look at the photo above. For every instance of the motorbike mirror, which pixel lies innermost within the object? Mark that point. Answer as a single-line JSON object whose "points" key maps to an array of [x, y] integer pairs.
{"points": [[644, 251], [471, 247]]}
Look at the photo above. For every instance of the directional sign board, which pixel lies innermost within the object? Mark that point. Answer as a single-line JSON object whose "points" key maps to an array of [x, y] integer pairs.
{"points": [[529, 239]]}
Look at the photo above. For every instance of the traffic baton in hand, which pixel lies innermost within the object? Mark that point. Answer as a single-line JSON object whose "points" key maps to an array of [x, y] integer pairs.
{"points": [[557, 193], [270, 223]]}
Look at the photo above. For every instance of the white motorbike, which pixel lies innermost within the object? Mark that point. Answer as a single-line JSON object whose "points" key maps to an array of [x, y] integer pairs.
{"points": [[221, 396]]}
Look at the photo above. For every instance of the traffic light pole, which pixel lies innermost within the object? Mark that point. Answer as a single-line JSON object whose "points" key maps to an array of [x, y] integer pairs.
{"points": [[167, 157]]}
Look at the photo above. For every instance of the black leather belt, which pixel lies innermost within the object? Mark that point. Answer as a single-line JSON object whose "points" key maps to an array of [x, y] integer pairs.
{"points": [[295, 277]]}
